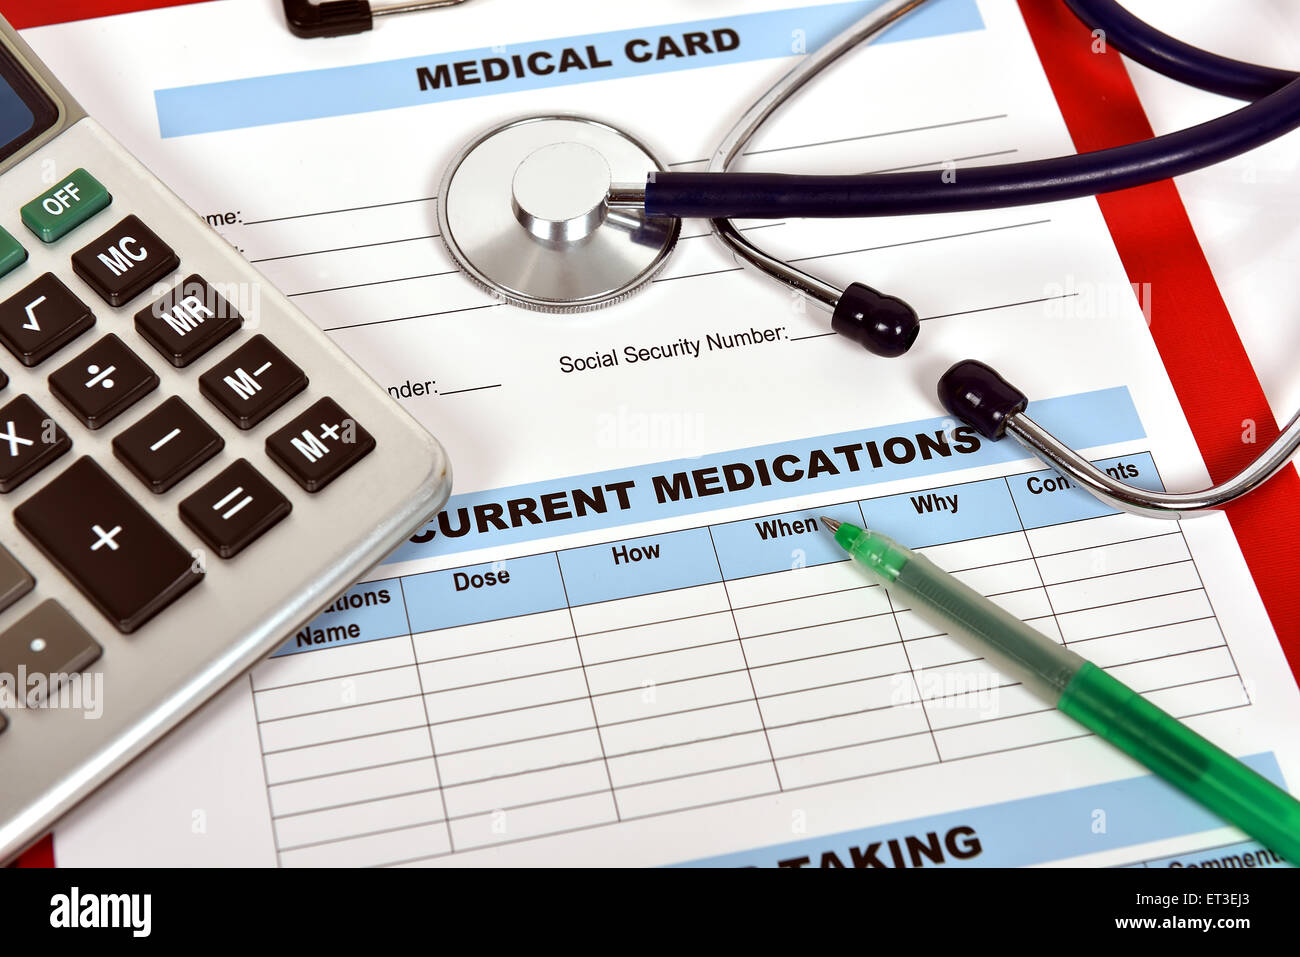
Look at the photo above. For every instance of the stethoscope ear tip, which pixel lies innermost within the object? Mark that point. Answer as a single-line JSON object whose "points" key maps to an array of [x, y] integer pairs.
{"points": [[980, 397], [884, 325]]}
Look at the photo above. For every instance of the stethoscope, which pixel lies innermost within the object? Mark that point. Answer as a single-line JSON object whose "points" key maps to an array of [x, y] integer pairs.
{"points": [[593, 216]]}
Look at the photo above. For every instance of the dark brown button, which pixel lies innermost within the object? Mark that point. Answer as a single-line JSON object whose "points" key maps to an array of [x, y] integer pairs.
{"points": [[4, 380], [42, 319], [188, 321], [252, 382], [103, 382], [15, 581], [319, 445], [48, 642], [167, 444], [234, 509], [29, 441], [113, 551], [124, 262]]}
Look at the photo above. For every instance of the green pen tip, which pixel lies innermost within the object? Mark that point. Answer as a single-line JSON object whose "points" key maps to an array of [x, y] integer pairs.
{"points": [[831, 524]]}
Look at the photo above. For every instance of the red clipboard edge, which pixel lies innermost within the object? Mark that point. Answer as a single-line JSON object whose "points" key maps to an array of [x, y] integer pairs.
{"points": [[1193, 331], [38, 13]]}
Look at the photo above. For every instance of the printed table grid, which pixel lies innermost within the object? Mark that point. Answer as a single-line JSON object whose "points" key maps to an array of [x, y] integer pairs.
{"points": [[479, 706]]}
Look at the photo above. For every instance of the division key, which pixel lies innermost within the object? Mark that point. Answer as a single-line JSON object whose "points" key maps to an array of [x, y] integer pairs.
{"points": [[127, 564]]}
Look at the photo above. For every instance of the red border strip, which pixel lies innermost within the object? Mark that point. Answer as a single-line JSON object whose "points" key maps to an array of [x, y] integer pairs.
{"points": [[38, 13], [1207, 364]]}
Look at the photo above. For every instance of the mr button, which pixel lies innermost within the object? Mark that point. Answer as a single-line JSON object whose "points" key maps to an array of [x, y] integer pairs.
{"points": [[188, 321], [124, 262], [319, 445]]}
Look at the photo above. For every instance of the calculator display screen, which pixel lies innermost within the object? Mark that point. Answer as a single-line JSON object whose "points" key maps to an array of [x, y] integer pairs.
{"points": [[25, 111]]}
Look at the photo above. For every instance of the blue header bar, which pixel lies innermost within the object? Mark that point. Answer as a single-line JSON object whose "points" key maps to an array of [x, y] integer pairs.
{"points": [[1019, 833], [598, 500], [454, 75]]}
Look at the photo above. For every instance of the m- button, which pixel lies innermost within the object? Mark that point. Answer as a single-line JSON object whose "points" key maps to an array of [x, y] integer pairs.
{"points": [[252, 382], [124, 262]]}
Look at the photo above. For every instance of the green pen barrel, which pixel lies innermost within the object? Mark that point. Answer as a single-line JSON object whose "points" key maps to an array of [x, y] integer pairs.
{"points": [[1019, 651], [1185, 759], [1085, 692]]}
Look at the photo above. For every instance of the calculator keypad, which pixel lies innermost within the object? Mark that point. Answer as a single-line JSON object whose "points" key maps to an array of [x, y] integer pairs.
{"points": [[103, 382], [124, 262], [41, 319], [128, 565]]}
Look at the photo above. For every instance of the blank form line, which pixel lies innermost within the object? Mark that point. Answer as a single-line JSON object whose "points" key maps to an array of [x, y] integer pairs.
{"points": [[693, 275], [924, 239], [815, 335], [422, 315], [871, 136], [1005, 305], [950, 159], [330, 212], [377, 282], [341, 249], [854, 139], [477, 388], [742, 229]]}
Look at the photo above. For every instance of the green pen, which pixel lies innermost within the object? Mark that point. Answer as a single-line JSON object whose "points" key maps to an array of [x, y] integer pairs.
{"points": [[1083, 691]]}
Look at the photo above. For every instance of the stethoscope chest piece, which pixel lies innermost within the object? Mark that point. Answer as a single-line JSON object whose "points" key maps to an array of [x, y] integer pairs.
{"points": [[523, 211]]}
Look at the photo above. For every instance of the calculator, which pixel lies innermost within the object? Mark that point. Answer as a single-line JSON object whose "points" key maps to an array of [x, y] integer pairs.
{"points": [[189, 469]]}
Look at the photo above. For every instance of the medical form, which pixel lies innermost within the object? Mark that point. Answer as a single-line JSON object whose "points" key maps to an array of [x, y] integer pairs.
{"points": [[625, 641]]}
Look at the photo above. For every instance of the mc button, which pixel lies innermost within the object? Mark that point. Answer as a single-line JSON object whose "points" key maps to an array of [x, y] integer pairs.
{"points": [[124, 262]]}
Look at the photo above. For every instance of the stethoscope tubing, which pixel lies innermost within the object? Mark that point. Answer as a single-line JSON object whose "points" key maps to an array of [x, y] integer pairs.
{"points": [[718, 195], [1179, 61], [1277, 91]]}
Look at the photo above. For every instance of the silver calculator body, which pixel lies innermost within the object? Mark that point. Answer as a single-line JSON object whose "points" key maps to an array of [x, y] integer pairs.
{"points": [[243, 607]]}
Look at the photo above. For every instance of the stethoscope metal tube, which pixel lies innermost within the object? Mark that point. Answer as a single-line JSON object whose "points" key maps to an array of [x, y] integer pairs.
{"points": [[980, 397], [882, 324]]}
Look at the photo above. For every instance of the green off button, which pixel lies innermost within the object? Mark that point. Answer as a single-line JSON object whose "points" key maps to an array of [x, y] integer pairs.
{"points": [[64, 207]]}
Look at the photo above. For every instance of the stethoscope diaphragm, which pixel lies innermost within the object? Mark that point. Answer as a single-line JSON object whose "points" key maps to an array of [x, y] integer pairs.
{"points": [[524, 211]]}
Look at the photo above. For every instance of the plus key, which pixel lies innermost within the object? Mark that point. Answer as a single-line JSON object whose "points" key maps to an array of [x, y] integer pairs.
{"points": [[114, 551]]}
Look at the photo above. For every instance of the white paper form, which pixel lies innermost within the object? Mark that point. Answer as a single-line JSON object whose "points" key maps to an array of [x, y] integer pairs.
{"points": [[624, 642]]}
